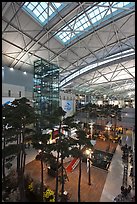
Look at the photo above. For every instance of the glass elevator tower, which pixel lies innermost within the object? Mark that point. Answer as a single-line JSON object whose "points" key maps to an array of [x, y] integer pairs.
{"points": [[46, 87]]}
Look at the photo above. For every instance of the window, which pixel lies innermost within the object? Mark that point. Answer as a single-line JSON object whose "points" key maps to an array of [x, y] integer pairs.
{"points": [[19, 93], [93, 17], [9, 93], [41, 11]]}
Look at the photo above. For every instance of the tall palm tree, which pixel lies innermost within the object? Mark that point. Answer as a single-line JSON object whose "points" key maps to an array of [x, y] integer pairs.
{"points": [[56, 119], [81, 141], [116, 114], [40, 142]]}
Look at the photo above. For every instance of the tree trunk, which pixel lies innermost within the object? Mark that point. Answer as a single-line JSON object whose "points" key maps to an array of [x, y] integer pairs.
{"points": [[79, 179], [21, 165], [56, 192], [62, 178], [115, 124], [3, 161], [41, 180]]}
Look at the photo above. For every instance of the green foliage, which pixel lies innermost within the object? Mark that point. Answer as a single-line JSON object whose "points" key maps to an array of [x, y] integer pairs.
{"points": [[10, 150], [33, 191]]}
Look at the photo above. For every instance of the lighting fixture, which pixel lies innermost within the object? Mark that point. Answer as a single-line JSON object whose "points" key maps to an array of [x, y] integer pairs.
{"points": [[11, 69]]}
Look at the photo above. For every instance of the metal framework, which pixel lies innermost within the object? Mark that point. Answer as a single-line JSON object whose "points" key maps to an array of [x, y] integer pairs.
{"points": [[91, 39]]}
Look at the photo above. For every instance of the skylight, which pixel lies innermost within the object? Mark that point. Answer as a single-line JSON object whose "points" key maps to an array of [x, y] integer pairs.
{"points": [[42, 11], [93, 17]]}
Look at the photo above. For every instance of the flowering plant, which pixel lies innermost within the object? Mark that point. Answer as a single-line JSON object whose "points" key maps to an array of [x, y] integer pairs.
{"points": [[48, 195], [30, 186]]}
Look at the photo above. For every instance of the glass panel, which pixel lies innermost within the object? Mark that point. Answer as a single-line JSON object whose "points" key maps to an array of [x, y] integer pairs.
{"points": [[108, 12], [42, 18], [106, 4], [114, 9], [50, 11], [57, 5], [43, 4], [36, 12], [40, 9], [126, 3], [120, 4], [44, 14], [64, 40], [26, 3], [36, 7], [83, 20], [98, 17], [34, 3], [102, 9], [103, 13], [30, 6], [91, 15], [93, 20], [96, 12]]}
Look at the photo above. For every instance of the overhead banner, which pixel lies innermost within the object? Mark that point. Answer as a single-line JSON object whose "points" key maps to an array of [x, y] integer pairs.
{"points": [[6, 100], [67, 105]]}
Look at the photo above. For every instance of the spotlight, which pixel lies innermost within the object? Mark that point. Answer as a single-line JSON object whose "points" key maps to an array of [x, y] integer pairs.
{"points": [[11, 69]]}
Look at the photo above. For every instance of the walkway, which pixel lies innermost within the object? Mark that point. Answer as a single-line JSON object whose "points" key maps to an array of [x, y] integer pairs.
{"points": [[90, 193], [114, 178]]}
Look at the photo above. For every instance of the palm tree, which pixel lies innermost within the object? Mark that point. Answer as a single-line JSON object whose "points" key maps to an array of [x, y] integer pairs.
{"points": [[116, 114], [82, 142], [40, 142], [56, 119]]}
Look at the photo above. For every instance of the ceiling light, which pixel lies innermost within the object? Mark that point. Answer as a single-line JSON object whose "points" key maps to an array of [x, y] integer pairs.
{"points": [[25, 73], [11, 69]]}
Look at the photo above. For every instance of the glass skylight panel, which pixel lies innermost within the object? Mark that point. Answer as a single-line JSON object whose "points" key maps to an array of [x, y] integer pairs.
{"points": [[103, 13], [77, 24], [67, 37], [57, 5], [44, 5], [50, 11], [42, 18], [93, 20], [114, 9], [26, 3], [101, 9], [39, 10], [96, 14], [30, 6], [125, 3], [98, 17], [36, 12], [45, 15], [120, 4], [91, 15], [64, 40], [108, 12], [106, 4], [62, 35], [34, 3]]}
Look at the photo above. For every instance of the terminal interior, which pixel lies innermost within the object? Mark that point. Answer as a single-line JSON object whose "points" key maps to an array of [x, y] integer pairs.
{"points": [[72, 66]]}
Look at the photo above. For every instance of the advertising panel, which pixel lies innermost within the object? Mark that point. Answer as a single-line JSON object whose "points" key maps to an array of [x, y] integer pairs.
{"points": [[67, 106]]}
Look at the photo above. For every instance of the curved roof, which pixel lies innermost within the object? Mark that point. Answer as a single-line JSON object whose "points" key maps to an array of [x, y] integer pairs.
{"points": [[93, 43]]}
